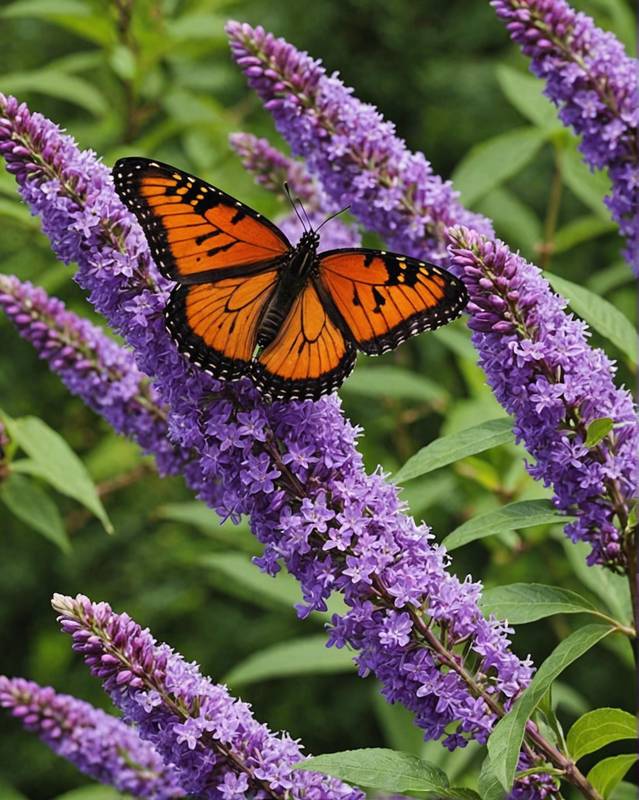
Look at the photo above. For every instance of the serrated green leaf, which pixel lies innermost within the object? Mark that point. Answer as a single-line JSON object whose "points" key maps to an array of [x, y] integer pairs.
{"points": [[605, 775], [204, 519], [598, 728], [58, 464], [248, 582], [505, 741], [511, 517], [524, 92], [308, 656], [526, 602], [379, 768], [33, 506], [396, 383], [57, 84], [581, 230], [597, 430], [599, 314], [494, 161], [448, 449], [589, 187]]}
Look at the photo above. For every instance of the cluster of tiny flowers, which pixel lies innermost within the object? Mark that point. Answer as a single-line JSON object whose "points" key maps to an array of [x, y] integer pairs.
{"points": [[100, 745], [594, 83], [294, 470], [353, 151], [211, 740], [92, 366], [542, 371], [272, 169]]}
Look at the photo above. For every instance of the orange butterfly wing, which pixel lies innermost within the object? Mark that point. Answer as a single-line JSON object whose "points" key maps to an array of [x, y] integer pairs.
{"points": [[310, 355], [215, 324], [383, 298], [196, 232]]}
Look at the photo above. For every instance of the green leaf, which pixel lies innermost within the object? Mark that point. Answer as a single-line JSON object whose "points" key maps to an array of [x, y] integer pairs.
{"points": [[526, 602], [598, 728], [489, 786], [494, 161], [505, 741], [397, 724], [448, 449], [524, 92], [248, 582], [514, 220], [57, 84], [34, 507], [7, 792], [580, 230], [599, 314], [72, 15], [379, 768], [93, 793], [511, 517], [204, 519], [612, 277], [308, 656], [605, 775], [589, 187], [622, 791], [58, 464], [396, 383], [597, 430], [18, 213]]}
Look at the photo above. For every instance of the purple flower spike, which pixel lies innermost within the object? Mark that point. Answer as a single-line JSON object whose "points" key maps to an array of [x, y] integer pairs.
{"points": [[99, 745], [215, 746], [292, 468], [593, 82], [354, 152], [93, 367], [544, 373]]}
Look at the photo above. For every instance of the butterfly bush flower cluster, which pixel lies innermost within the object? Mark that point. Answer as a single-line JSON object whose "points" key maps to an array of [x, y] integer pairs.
{"points": [[100, 745], [92, 366], [309, 111], [213, 743], [594, 83], [291, 467], [272, 169], [539, 365], [353, 151]]}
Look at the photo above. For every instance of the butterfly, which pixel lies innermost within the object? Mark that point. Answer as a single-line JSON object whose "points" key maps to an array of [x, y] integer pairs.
{"points": [[248, 302]]}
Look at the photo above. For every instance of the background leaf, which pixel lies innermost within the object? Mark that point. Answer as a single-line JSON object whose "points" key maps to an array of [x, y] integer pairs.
{"points": [[598, 728], [526, 602], [34, 506], [605, 775]]}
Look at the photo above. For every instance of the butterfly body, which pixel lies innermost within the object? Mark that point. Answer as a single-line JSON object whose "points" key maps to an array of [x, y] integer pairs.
{"points": [[248, 303]]}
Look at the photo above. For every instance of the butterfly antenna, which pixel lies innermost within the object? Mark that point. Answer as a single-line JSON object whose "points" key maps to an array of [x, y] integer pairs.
{"points": [[305, 214], [294, 204], [332, 216]]}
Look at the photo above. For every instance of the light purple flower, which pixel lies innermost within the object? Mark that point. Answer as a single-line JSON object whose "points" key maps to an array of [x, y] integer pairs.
{"points": [[214, 744], [594, 84], [94, 367], [99, 745], [355, 154], [322, 494], [542, 371]]}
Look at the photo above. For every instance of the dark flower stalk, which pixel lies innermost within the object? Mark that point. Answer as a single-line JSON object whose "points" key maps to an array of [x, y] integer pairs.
{"points": [[594, 84], [215, 746], [93, 367], [100, 745], [542, 371], [355, 154], [293, 469]]}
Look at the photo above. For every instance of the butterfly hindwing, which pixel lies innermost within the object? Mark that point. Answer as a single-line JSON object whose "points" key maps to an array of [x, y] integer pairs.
{"points": [[215, 324], [383, 298], [196, 232], [309, 357]]}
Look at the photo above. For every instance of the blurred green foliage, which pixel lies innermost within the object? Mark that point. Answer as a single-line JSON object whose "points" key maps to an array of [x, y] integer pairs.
{"points": [[155, 78]]}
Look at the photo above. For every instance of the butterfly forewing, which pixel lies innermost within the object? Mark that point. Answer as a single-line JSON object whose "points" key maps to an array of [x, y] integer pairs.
{"points": [[196, 232], [383, 298], [309, 356]]}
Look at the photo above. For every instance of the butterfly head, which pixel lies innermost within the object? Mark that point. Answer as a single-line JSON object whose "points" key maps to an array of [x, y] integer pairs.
{"points": [[309, 240]]}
